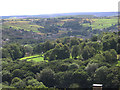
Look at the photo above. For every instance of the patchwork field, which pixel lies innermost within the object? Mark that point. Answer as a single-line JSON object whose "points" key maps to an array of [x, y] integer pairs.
{"points": [[25, 25], [101, 23]]}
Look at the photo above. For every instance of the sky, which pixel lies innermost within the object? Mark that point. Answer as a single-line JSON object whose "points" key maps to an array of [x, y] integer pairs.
{"points": [[37, 7]]}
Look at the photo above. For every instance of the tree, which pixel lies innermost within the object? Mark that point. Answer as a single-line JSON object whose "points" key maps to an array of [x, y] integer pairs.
{"points": [[18, 83], [99, 57], [113, 78], [80, 77], [74, 41], [18, 73], [94, 38], [6, 76], [106, 45], [113, 43], [47, 46], [47, 76], [88, 52], [38, 48], [114, 55], [16, 51], [74, 85], [110, 56], [33, 83], [118, 48], [66, 40], [59, 52], [66, 52], [101, 74], [5, 53], [91, 67], [63, 67], [109, 42], [96, 45], [75, 51], [72, 24], [28, 49], [73, 66]]}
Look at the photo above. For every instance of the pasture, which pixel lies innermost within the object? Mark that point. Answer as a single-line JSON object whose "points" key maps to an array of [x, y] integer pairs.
{"points": [[36, 58], [101, 23], [19, 25]]}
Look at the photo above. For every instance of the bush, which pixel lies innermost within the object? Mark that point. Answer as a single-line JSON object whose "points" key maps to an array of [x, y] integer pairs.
{"points": [[47, 76], [18, 83], [91, 67], [63, 67], [6, 76], [74, 85], [73, 66]]}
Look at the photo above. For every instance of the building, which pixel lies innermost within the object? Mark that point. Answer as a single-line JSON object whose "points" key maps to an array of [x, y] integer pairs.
{"points": [[97, 86]]}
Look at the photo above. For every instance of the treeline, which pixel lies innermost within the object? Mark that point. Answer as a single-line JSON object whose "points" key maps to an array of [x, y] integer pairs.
{"points": [[72, 63]]}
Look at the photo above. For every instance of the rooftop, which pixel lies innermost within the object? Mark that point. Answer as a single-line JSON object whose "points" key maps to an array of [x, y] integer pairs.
{"points": [[98, 85]]}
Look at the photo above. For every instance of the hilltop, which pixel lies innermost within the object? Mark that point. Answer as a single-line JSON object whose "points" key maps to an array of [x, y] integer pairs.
{"points": [[97, 14]]}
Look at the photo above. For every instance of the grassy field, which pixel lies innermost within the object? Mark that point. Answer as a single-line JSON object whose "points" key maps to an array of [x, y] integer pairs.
{"points": [[118, 64], [5, 86], [118, 56], [36, 58], [26, 25], [102, 23]]}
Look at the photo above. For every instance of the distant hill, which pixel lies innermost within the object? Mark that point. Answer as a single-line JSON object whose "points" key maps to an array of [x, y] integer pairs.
{"points": [[97, 14]]}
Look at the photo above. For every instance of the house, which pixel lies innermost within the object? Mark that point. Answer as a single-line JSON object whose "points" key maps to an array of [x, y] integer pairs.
{"points": [[97, 86]]}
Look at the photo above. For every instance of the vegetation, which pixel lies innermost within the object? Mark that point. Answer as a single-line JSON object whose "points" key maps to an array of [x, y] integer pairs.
{"points": [[67, 62], [36, 30], [101, 23], [36, 58]]}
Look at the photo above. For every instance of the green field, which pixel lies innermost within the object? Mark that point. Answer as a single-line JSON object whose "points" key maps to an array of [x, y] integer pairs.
{"points": [[26, 25], [6, 86], [102, 23], [35, 58]]}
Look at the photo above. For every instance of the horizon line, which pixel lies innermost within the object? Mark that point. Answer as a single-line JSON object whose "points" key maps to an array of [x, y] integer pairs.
{"points": [[58, 13]]}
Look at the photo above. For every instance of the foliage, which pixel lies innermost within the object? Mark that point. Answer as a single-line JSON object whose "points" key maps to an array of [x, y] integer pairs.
{"points": [[17, 82], [6, 76], [47, 76], [15, 51], [36, 58], [88, 52], [91, 67], [59, 52], [72, 62], [28, 49], [101, 74], [110, 56], [101, 23], [75, 51]]}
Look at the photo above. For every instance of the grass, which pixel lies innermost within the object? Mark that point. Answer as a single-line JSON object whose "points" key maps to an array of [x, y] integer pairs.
{"points": [[35, 58], [118, 64], [30, 57], [101, 23], [6, 86], [118, 56], [26, 25]]}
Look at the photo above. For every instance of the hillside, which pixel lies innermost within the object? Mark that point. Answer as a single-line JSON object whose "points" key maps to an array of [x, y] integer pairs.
{"points": [[41, 29], [74, 51], [69, 62]]}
